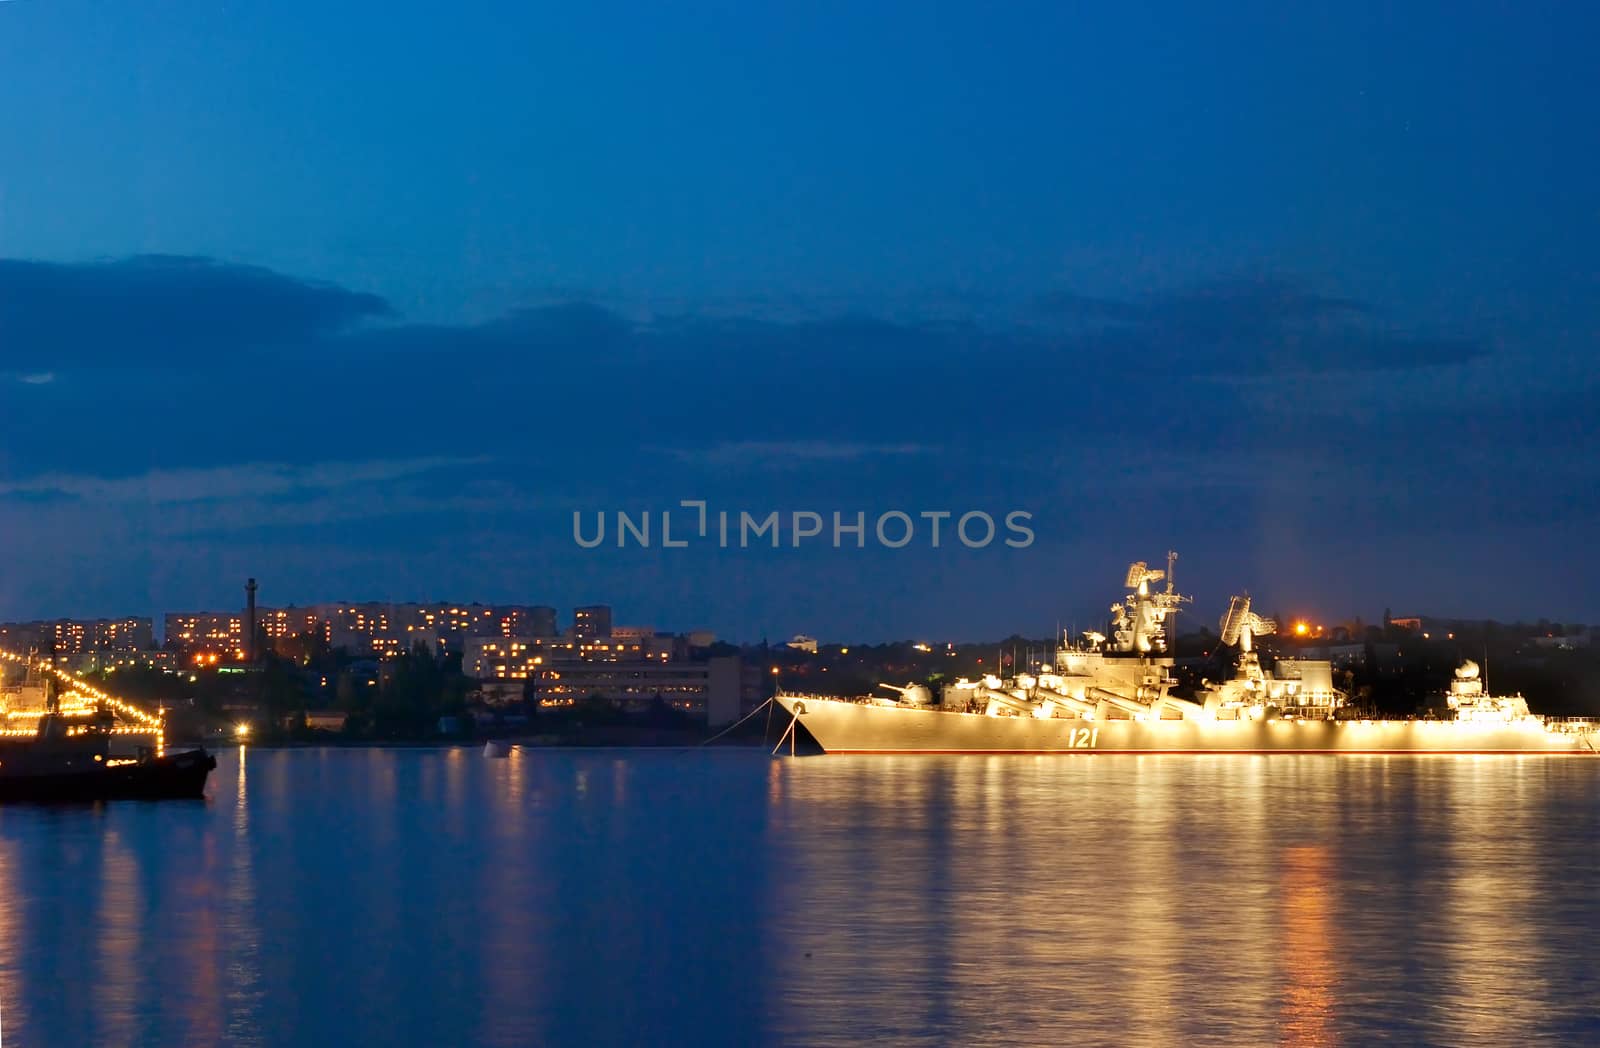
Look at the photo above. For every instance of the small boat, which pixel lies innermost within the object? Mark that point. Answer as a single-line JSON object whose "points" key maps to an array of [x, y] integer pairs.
{"points": [[74, 762], [63, 739]]}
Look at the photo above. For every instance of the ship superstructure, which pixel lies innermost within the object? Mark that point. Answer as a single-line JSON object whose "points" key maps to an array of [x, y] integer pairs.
{"points": [[1126, 676], [1470, 700], [1114, 693]]}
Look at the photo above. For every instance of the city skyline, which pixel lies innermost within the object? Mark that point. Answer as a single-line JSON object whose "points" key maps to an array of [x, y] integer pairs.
{"points": [[1310, 303], [337, 621]]}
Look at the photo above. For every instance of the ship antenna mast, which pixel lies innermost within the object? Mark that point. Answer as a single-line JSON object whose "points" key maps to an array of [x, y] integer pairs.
{"points": [[1172, 559]]}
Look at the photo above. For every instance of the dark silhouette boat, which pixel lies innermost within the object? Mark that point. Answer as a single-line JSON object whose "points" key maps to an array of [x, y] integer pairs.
{"points": [[63, 739], [67, 760]]}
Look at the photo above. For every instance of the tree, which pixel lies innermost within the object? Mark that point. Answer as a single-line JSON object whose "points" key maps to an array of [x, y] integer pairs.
{"points": [[282, 691]]}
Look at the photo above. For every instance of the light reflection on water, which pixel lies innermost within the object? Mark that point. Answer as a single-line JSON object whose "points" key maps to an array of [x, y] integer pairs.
{"points": [[437, 897], [1182, 900]]}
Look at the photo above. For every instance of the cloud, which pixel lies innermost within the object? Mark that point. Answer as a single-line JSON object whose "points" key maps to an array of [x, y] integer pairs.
{"points": [[1272, 325], [200, 314], [1219, 305], [164, 436], [253, 480], [197, 315], [752, 453], [158, 310], [566, 395]]}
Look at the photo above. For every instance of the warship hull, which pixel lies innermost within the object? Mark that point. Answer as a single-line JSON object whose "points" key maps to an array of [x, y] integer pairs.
{"points": [[842, 726]]}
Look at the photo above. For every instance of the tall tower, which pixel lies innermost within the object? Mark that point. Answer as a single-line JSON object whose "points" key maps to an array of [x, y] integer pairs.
{"points": [[250, 621]]}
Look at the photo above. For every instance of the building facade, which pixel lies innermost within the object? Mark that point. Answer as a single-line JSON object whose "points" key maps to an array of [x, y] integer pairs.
{"points": [[72, 637], [372, 629], [220, 633], [513, 658], [591, 621], [711, 688]]}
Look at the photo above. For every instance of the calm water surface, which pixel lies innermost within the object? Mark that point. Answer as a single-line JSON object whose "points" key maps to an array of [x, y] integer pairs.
{"points": [[436, 897]]}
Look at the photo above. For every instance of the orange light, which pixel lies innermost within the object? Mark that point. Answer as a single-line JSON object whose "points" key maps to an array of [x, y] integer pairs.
{"points": [[1301, 629]]}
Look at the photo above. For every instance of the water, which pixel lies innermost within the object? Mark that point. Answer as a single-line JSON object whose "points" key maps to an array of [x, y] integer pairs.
{"points": [[436, 897]]}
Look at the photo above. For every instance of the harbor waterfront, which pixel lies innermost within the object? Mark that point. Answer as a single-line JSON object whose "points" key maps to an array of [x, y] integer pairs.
{"points": [[880, 524], [717, 896]]}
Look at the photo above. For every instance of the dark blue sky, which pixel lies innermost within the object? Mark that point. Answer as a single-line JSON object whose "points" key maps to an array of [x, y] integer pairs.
{"points": [[366, 299]]}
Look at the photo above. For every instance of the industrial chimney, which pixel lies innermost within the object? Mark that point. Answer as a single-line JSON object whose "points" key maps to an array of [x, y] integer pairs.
{"points": [[250, 621]]}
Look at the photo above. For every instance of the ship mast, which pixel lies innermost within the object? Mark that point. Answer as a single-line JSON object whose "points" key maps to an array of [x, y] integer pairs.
{"points": [[1139, 625], [1172, 560]]}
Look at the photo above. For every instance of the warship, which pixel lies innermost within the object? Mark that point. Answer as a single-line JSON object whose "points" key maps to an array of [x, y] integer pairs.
{"points": [[1115, 694]]}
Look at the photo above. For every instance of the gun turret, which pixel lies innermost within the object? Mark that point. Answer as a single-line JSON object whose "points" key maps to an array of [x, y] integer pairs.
{"points": [[912, 694]]}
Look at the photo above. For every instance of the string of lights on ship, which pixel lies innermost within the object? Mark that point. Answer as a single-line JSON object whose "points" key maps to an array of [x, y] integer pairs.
{"points": [[83, 699]]}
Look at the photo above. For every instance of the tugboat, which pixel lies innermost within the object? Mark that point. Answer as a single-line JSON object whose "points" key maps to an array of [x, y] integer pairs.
{"points": [[85, 745]]}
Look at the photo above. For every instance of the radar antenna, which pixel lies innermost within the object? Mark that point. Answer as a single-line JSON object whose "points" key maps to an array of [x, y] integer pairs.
{"points": [[1140, 576], [1240, 625]]}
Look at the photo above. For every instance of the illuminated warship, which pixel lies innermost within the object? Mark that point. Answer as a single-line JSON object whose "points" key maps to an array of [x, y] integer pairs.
{"points": [[1115, 694]]}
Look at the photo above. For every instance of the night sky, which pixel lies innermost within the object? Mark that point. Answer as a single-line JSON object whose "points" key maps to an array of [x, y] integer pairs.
{"points": [[366, 300]]}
